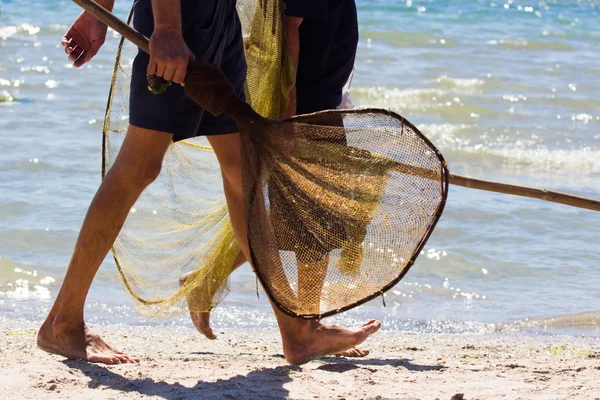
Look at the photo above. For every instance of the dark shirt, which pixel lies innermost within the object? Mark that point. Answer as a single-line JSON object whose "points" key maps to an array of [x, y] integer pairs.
{"points": [[328, 41]]}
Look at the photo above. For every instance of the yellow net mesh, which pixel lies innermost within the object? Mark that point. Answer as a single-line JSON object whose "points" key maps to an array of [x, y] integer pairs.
{"points": [[338, 204], [180, 225]]}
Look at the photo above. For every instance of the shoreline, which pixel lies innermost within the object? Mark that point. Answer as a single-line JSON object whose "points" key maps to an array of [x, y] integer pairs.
{"points": [[175, 363]]}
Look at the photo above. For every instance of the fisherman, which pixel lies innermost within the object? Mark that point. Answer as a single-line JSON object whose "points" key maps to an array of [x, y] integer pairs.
{"points": [[321, 38], [180, 30]]}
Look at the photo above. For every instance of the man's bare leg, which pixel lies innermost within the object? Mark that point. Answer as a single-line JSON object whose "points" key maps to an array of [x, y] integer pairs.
{"points": [[64, 331], [303, 340], [201, 319]]}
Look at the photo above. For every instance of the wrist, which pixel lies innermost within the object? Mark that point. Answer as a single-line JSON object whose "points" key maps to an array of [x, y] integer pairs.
{"points": [[167, 29], [89, 18]]}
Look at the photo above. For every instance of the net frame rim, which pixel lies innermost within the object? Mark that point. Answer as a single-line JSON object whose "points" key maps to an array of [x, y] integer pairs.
{"points": [[444, 183]]}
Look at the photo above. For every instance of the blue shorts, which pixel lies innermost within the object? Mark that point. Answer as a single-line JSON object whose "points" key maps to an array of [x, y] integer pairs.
{"points": [[212, 31]]}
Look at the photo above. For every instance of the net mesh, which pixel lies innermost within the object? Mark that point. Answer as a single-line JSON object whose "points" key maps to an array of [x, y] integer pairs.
{"points": [[338, 203], [339, 216]]}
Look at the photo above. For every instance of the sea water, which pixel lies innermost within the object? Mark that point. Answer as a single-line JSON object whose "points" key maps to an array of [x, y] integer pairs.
{"points": [[507, 91]]}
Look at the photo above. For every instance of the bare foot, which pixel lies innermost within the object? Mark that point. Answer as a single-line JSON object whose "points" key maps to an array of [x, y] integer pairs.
{"points": [[200, 319], [77, 342], [314, 339], [354, 352]]}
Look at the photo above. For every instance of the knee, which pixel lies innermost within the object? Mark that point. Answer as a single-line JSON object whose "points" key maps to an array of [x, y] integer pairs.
{"points": [[231, 169], [138, 174], [149, 174]]}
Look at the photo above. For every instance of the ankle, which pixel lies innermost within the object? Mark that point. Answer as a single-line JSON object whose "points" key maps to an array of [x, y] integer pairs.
{"points": [[297, 332], [62, 323]]}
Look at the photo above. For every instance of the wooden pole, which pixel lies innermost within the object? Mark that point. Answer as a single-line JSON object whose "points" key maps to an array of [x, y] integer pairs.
{"points": [[525, 191]]}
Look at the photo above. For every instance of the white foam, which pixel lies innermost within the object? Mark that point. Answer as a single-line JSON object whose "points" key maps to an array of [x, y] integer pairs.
{"points": [[7, 31], [584, 161], [407, 99], [461, 85]]}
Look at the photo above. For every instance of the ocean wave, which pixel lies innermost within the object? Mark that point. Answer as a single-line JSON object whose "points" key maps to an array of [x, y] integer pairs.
{"points": [[589, 319], [406, 39], [7, 31], [461, 85], [429, 103], [583, 161], [6, 97], [444, 95], [23, 282], [528, 45], [26, 29], [409, 99], [464, 142]]}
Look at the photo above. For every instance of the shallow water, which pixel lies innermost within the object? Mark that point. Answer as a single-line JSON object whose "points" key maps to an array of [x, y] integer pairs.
{"points": [[507, 91]]}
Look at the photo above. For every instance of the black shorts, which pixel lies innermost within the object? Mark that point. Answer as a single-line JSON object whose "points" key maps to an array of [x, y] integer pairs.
{"points": [[212, 31]]}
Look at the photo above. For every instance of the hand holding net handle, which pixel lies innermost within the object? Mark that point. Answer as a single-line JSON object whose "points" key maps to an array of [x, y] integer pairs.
{"points": [[205, 84], [115, 23]]}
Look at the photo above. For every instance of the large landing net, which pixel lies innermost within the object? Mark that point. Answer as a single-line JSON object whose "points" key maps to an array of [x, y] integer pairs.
{"points": [[338, 204]]}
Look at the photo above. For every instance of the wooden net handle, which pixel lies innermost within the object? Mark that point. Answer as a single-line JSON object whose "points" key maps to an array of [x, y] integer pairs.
{"points": [[525, 191], [497, 187]]}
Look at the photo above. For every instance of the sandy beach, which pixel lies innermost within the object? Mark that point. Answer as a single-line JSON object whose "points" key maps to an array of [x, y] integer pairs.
{"points": [[507, 91], [177, 364]]}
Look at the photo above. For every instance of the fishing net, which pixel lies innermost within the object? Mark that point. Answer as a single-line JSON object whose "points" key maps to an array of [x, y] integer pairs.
{"points": [[345, 210], [338, 203]]}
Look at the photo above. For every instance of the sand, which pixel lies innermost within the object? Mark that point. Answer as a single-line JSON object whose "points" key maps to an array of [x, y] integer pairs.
{"points": [[177, 364]]}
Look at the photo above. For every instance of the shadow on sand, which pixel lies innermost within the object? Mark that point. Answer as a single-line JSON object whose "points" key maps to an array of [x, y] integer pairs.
{"points": [[260, 384]]}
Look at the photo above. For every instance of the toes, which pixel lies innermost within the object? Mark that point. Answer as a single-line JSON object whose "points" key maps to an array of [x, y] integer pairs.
{"points": [[370, 327], [210, 334], [354, 352], [206, 331], [123, 359], [101, 359], [347, 353], [357, 353], [131, 360], [112, 359], [362, 353]]}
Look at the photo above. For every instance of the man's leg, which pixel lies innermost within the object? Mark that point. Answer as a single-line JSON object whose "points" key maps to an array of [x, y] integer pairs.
{"points": [[303, 340], [137, 165], [201, 319], [310, 285]]}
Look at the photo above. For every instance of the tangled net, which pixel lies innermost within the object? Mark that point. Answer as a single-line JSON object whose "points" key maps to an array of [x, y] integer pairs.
{"points": [[338, 203]]}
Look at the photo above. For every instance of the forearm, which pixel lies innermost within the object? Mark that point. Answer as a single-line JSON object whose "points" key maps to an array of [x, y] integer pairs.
{"points": [[167, 15]]}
